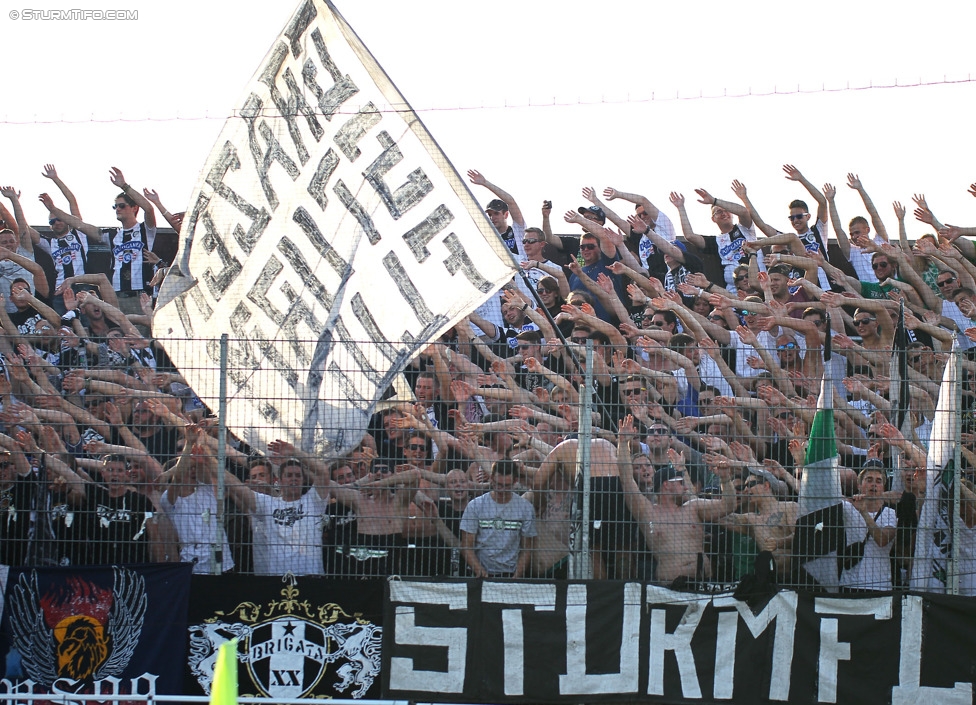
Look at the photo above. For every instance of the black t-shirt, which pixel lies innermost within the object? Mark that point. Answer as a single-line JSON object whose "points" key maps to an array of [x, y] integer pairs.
{"points": [[15, 520], [117, 527]]}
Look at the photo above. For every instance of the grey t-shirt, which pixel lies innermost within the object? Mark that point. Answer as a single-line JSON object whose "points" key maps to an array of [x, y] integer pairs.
{"points": [[498, 530]]}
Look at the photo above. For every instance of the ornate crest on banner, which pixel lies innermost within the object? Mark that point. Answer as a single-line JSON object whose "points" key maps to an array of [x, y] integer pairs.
{"points": [[290, 646]]}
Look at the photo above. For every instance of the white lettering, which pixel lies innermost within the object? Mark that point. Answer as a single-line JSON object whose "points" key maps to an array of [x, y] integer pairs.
{"points": [[542, 597], [909, 691], [576, 680], [678, 641], [403, 675]]}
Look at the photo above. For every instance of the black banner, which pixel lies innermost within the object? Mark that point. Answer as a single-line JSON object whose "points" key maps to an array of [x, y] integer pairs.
{"points": [[298, 637], [572, 642], [110, 631]]}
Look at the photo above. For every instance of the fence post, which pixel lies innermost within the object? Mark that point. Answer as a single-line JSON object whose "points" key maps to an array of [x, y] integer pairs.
{"points": [[583, 566], [217, 547], [956, 479]]}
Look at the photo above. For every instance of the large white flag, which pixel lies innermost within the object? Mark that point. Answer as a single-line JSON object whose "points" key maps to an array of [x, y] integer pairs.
{"points": [[329, 237], [933, 539]]}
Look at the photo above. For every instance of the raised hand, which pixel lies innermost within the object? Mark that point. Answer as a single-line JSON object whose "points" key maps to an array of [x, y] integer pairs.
{"points": [[792, 173], [476, 178], [609, 193], [9, 192], [829, 191], [49, 172], [116, 177], [47, 201], [677, 199], [151, 196], [854, 182], [899, 210], [704, 196], [590, 195]]}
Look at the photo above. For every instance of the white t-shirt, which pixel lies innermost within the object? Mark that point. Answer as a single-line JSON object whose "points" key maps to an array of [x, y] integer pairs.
{"points": [[743, 351], [195, 519], [287, 536], [873, 572]]}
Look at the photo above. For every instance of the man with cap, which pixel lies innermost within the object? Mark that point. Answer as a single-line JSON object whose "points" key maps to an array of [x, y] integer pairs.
{"points": [[869, 566], [498, 210], [769, 521]]}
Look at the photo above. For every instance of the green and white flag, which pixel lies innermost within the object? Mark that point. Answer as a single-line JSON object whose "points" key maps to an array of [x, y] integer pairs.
{"points": [[826, 524]]}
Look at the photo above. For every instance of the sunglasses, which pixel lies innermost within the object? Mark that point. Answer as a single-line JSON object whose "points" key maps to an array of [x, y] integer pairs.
{"points": [[879, 265], [52, 221], [417, 446], [588, 246], [579, 341], [116, 206], [658, 324], [817, 322], [632, 392], [741, 277], [798, 216], [749, 313], [716, 319], [657, 431], [530, 242], [786, 346], [864, 321], [946, 282]]}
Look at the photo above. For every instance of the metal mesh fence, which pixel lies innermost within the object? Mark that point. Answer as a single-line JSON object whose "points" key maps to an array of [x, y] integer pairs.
{"points": [[683, 466]]}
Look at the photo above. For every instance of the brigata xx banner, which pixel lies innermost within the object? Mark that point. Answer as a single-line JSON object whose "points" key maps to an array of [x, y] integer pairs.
{"points": [[579, 642]]}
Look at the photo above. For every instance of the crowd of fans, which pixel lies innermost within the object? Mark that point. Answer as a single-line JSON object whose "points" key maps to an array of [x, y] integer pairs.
{"points": [[706, 355]]}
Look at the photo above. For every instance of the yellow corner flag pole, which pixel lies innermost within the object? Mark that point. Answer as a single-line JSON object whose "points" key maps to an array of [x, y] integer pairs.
{"points": [[224, 689]]}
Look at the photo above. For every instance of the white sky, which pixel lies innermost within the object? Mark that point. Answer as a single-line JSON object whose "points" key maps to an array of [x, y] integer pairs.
{"points": [[87, 95]]}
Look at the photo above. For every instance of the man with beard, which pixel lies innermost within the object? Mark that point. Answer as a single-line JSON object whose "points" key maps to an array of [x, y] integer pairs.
{"points": [[770, 522]]}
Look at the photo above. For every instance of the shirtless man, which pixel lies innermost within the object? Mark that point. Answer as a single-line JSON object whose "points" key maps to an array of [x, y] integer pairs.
{"points": [[674, 527], [610, 522], [768, 521]]}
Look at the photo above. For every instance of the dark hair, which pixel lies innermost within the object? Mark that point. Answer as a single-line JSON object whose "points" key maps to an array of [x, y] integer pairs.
{"points": [[799, 204], [669, 316], [115, 458], [680, 341], [598, 336], [537, 231], [506, 467], [781, 269], [128, 199], [529, 336]]}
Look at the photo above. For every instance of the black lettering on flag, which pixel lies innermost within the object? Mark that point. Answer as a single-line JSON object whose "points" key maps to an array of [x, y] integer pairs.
{"points": [[404, 197], [372, 329], [294, 104], [219, 283], [347, 390], [297, 261], [324, 247], [242, 362], [229, 161], [358, 355], [353, 206], [407, 288], [343, 88], [190, 223], [355, 128], [323, 172], [461, 261], [299, 23], [184, 315], [418, 237], [274, 152]]}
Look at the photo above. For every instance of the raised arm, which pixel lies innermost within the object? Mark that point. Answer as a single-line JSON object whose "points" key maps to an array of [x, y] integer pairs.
{"points": [[72, 221], [830, 192], [51, 173], [28, 236], [116, 177], [793, 174], [513, 209], [854, 182], [678, 201], [739, 189], [736, 209]]}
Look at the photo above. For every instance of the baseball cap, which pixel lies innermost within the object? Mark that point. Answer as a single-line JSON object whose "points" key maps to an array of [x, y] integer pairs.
{"points": [[593, 210], [498, 205]]}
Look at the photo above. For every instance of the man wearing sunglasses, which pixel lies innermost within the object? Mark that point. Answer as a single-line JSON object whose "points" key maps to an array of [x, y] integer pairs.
{"points": [[766, 519], [129, 242]]}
